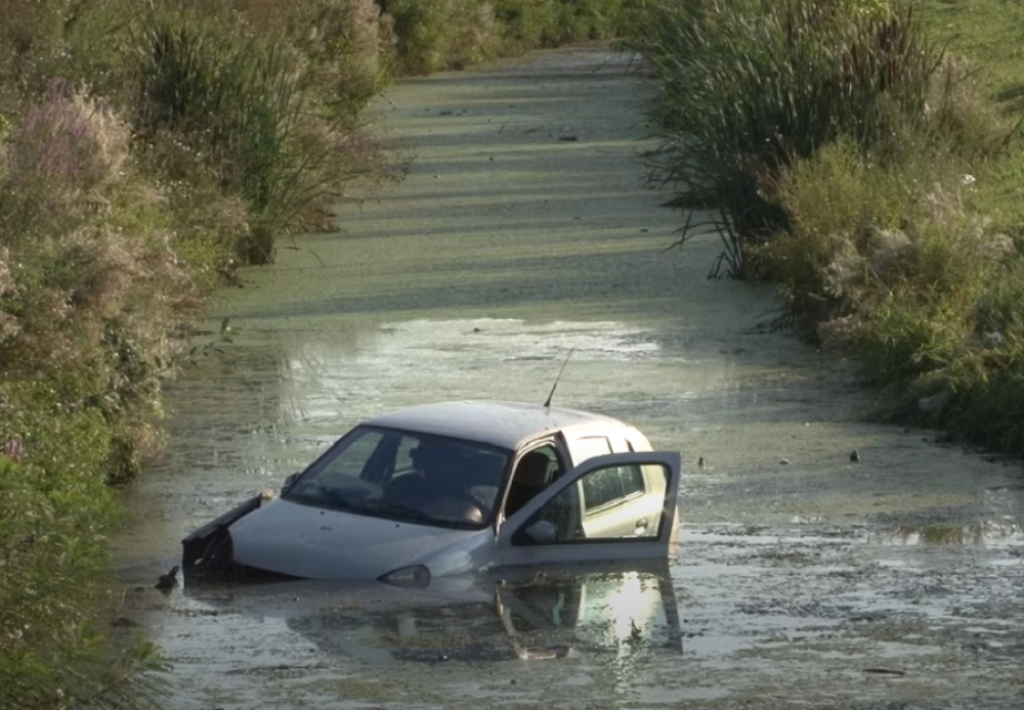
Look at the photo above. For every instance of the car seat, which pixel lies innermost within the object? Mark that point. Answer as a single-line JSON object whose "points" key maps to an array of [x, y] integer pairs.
{"points": [[532, 475]]}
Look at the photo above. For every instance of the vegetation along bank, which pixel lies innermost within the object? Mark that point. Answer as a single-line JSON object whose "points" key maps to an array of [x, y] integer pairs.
{"points": [[865, 156], [146, 149], [850, 152]]}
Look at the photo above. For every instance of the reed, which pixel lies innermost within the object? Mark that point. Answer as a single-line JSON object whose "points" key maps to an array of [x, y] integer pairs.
{"points": [[749, 86], [868, 171], [241, 102]]}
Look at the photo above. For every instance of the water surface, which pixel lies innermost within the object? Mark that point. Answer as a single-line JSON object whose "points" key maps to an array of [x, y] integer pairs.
{"points": [[804, 579]]}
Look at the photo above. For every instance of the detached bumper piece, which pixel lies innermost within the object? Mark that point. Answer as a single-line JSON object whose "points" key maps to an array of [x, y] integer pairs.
{"points": [[208, 551]]}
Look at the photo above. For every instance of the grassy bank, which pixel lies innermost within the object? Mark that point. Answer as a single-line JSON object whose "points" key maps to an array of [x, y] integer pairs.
{"points": [[865, 157], [146, 149]]}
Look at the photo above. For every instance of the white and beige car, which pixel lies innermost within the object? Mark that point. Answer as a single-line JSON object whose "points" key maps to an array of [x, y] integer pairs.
{"points": [[454, 488]]}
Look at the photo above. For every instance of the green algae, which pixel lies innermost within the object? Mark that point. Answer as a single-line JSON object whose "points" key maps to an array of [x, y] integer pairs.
{"points": [[475, 278]]}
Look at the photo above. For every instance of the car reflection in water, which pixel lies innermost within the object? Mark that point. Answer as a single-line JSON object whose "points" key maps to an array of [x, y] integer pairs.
{"points": [[525, 613]]}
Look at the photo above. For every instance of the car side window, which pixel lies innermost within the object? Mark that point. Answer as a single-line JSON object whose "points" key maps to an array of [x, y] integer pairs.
{"points": [[632, 507], [612, 485]]}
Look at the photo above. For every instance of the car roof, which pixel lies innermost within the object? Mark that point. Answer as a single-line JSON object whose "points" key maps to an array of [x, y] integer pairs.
{"points": [[505, 424]]}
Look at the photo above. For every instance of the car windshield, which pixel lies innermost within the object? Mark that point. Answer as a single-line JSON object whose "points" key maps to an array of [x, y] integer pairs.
{"points": [[406, 476]]}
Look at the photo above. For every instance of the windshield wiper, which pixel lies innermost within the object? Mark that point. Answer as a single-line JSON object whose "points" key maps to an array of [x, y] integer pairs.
{"points": [[327, 498]]}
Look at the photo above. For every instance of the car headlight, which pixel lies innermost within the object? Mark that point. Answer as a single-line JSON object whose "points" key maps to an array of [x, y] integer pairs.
{"points": [[412, 576]]}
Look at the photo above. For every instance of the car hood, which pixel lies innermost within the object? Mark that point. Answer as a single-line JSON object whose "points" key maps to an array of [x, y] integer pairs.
{"points": [[306, 541]]}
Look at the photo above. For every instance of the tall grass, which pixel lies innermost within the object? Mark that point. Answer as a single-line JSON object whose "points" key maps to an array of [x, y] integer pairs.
{"points": [[240, 103], [346, 46], [749, 86], [861, 166]]}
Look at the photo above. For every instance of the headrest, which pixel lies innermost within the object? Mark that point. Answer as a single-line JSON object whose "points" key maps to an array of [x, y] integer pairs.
{"points": [[533, 471]]}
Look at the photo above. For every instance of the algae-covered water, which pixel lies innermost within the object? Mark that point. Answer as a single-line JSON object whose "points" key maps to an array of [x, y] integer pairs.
{"points": [[523, 231]]}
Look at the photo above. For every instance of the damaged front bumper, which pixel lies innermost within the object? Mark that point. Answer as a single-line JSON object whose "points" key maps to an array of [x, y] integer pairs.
{"points": [[208, 551]]}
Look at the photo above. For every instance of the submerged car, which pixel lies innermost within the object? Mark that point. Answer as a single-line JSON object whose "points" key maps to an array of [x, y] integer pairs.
{"points": [[455, 488]]}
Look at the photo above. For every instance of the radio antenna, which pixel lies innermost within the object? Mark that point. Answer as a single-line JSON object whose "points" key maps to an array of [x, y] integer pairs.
{"points": [[547, 402]]}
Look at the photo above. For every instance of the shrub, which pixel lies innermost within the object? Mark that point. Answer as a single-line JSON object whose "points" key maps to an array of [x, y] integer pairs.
{"points": [[440, 35], [526, 24], [988, 381], [892, 245], [240, 103], [29, 36], [422, 32], [894, 262], [88, 293], [845, 213], [95, 288], [595, 19], [66, 149], [52, 540], [345, 45], [751, 85]]}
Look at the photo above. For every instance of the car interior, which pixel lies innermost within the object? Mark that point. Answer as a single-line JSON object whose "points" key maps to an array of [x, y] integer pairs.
{"points": [[535, 472]]}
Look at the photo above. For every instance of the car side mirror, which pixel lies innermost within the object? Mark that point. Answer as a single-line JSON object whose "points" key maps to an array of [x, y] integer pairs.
{"points": [[543, 532]]}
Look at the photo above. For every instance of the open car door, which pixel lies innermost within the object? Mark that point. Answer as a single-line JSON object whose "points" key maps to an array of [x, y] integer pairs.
{"points": [[613, 507]]}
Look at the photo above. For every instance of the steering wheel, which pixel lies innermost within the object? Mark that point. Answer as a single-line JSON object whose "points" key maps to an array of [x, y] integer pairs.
{"points": [[460, 506], [406, 485]]}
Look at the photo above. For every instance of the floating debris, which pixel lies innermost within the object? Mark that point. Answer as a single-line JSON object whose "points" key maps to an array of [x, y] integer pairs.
{"points": [[168, 581]]}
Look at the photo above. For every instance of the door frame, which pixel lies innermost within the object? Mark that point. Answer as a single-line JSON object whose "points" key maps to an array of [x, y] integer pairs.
{"points": [[508, 554]]}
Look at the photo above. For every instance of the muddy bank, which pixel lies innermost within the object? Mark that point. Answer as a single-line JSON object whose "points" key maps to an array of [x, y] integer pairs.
{"points": [[523, 230]]}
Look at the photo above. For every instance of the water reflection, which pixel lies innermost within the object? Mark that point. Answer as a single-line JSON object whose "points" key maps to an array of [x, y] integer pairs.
{"points": [[987, 533], [529, 614]]}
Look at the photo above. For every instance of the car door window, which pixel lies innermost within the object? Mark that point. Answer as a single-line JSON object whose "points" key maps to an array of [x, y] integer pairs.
{"points": [[618, 503], [612, 486]]}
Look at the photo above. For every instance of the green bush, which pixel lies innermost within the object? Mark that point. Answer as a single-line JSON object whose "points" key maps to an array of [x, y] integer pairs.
{"points": [[526, 24], [423, 32], [440, 35], [345, 45], [91, 288], [596, 19], [240, 103], [454, 33], [88, 294], [838, 203], [53, 526], [895, 263], [749, 86]]}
